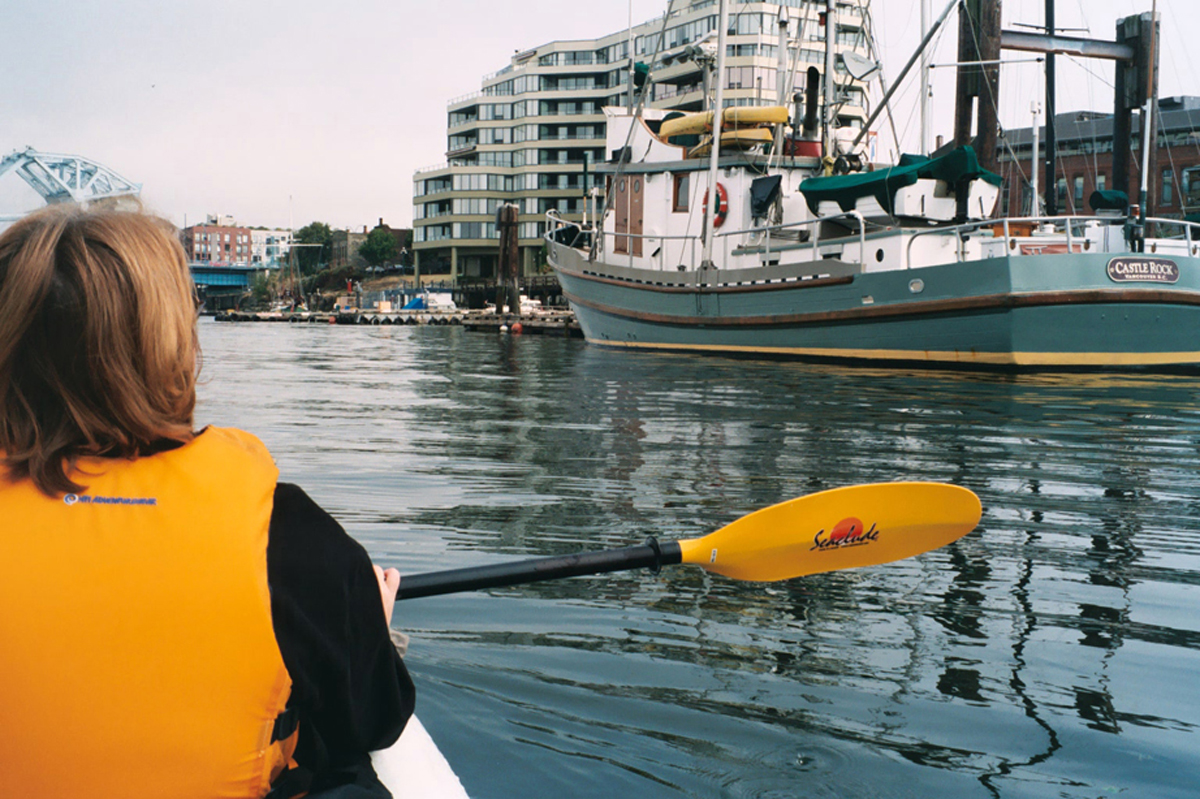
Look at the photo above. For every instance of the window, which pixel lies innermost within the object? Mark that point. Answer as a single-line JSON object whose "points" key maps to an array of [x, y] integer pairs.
{"points": [[680, 201], [1061, 192], [1078, 191], [1101, 182], [1168, 177]]}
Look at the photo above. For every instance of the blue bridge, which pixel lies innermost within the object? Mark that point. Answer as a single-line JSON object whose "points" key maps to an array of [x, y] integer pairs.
{"points": [[210, 278]]}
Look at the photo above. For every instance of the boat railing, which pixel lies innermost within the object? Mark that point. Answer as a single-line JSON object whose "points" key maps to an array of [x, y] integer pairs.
{"points": [[1190, 230], [592, 240], [1016, 231], [814, 239], [1070, 227], [557, 230]]}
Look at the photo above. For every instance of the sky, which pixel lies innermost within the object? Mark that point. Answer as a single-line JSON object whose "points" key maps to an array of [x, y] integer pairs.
{"points": [[282, 113]]}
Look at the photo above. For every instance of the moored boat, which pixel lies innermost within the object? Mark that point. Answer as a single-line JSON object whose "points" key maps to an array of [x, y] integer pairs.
{"points": [[900, 264]]}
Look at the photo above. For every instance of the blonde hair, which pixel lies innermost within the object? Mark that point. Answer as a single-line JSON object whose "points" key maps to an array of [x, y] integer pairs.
{"points": [[98, 341]]}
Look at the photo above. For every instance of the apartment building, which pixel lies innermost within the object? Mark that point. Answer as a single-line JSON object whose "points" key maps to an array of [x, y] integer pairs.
{"points": [[269, 247], [534, 131]]}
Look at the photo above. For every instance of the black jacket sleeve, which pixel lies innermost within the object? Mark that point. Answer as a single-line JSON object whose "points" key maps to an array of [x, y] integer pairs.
{"points": [[351, 688]]}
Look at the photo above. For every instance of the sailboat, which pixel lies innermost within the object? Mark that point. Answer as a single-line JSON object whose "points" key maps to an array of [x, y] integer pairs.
{"points": [[898, 265]]}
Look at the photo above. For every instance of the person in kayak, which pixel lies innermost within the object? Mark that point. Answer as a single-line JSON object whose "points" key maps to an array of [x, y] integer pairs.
{"points": [[176, 622]]}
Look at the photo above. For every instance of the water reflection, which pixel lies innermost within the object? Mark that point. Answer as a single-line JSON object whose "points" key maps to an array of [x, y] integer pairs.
{"points": [[1052, 653]]}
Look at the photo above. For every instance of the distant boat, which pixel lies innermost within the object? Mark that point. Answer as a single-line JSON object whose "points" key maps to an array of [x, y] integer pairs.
{"points": [[895, 265], [430, 301]]}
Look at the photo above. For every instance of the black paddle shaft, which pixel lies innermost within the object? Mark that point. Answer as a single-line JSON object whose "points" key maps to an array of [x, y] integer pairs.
{"points": [[649, 555]]}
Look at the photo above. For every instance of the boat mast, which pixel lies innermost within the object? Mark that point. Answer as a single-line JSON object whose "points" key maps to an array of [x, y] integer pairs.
{"points": [[1036, 210], [718, 119], [1051, 107], [926, 89], [629, 74], [882, 105], [1148, 128], [781, 69], [828, 77]]}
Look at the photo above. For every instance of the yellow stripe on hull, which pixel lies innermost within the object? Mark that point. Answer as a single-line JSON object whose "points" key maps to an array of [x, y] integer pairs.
{"points": [[933, 356]]}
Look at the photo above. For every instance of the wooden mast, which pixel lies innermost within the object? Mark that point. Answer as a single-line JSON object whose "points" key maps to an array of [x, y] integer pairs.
{"points": [[978, 78]]}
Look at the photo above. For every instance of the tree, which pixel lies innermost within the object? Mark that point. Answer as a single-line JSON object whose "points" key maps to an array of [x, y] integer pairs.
{"points": [[379, 247], [260, 288], [312, 258]]}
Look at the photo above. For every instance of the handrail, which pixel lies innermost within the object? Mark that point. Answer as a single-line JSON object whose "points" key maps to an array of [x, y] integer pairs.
{"points": [[554, 222], [1187, 227], [1068, 221], [1069, 227]]}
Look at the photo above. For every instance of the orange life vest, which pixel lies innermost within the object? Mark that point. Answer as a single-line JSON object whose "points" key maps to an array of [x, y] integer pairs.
{"points": [[137, 653]]}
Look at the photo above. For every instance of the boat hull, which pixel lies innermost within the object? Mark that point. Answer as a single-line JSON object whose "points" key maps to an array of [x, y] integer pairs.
{"points": [[1014, 312]]}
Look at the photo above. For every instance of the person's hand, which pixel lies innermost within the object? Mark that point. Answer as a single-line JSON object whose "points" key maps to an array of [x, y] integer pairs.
{"points": [[389, 582]]}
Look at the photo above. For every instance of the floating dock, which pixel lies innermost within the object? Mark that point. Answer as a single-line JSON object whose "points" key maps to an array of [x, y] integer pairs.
{"points": [[560, 323]]}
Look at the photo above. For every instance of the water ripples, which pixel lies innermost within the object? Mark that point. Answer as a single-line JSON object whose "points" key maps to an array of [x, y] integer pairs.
{"points": [[1050, 654]]}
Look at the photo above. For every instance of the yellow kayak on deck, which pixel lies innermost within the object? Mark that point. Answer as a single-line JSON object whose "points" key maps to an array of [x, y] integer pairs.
{"points": [[740, 116], [738, 139]]}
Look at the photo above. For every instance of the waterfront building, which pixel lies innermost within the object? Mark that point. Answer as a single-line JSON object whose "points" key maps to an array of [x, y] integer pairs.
{"points": [[1085, 155], [530, 133], [269, 248], [343, 248], [220, 241], [403, 237]]}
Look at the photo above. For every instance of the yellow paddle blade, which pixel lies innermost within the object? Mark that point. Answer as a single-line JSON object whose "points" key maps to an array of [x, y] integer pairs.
{"points": [[845, 528]]}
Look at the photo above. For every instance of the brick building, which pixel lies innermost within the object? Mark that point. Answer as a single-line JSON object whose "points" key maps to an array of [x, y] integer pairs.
{"points": [[218, 241], [344, 248], [1084, 163], [404, 241]]}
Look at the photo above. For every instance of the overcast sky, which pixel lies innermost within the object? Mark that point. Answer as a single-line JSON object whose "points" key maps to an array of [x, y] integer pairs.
{"points": [[279, 112]]}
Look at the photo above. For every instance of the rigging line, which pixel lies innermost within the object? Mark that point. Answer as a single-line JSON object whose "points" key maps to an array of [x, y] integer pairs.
{"points": [[637, 114], [790, 83], [1179, 77], [992, 98], [1170, 160], [1083, 65], [869, 20]]}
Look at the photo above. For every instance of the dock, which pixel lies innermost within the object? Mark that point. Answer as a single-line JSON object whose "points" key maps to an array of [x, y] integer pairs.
{"points": [[552, 322]]}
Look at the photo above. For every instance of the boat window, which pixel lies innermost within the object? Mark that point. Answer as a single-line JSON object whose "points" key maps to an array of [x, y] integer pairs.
{"points": [[680, 199], [621, 185], [637, 186]]}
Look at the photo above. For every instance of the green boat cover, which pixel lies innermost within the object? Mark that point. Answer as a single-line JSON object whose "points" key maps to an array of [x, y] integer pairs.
{"points": [[955, 168], [1109, 200]]}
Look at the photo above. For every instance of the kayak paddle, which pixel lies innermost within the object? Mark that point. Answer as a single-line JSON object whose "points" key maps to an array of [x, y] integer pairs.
{"points": [[844, 528]]}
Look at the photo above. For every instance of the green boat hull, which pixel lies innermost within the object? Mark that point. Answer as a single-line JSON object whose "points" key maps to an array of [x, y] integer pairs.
{"points": [[1027, 311]]}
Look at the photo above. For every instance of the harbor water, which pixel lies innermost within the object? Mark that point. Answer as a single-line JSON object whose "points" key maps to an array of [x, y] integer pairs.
{"points": [[1054, 652]]}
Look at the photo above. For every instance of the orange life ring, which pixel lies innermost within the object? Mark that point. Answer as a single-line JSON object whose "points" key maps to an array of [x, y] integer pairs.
{"points": [[722, 205]]}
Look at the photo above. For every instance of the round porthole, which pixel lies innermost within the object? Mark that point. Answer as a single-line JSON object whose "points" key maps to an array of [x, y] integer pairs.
{"points": [[637, 186], [916, 286], [621, 185], [879, 255]]}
